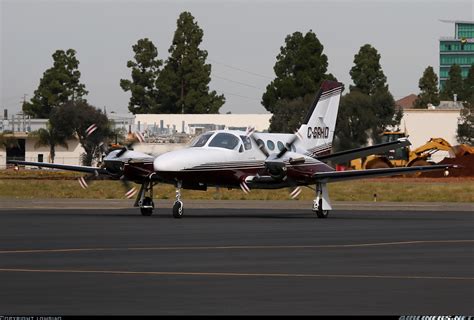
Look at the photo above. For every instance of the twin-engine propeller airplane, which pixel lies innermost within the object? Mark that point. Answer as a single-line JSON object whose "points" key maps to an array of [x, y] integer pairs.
{"points": [[247, 160]]}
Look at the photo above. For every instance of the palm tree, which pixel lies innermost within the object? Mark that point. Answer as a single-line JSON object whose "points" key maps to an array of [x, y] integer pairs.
{"points": [[52, 138]]}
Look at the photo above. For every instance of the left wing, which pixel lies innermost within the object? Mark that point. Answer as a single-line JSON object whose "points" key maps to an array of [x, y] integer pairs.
{"points": [[94, 170], [334, 176]]}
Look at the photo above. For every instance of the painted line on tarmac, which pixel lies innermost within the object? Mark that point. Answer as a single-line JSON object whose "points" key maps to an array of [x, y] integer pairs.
{"points": [[236, 274], [329, 246]]}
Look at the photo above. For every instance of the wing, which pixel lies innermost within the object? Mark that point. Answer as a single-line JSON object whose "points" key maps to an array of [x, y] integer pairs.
{"points": [[86, 169], [344, 156], [334, 176]]}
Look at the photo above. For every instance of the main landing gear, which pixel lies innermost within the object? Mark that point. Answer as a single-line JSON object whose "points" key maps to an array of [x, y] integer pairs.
{"points": [[321, 204], [145, 200]]}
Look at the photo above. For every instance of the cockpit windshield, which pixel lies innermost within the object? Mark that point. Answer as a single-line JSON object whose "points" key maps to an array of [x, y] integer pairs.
{"points": [[224, 140], [201, 140]]}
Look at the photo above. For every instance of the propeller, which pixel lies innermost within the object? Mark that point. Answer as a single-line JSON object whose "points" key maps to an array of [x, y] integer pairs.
{"points": [[136, 136], [131, 190], [273, 163]]}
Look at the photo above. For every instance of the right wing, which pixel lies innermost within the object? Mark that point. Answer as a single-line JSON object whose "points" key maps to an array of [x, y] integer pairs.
{"points": [[344, 156], [94, 170], [334, 176]]}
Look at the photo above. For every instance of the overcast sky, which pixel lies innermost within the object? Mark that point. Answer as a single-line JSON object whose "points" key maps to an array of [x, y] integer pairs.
{"points": [[242, 38]]}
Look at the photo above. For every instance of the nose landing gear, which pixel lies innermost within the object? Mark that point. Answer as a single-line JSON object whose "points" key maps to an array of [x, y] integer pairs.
{"points": [[178, 204]]}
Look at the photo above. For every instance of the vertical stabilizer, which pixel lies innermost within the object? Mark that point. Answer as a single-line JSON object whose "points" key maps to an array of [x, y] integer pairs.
{"points": [[317, 131]]}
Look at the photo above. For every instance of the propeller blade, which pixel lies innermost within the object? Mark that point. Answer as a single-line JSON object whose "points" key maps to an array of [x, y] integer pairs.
{"points": [[137, 137], [260, 144], [287, 146], [131, 190], [82, 181], [295, 193], [121, 152], [245, 188], [91, 129], [131, 193]]}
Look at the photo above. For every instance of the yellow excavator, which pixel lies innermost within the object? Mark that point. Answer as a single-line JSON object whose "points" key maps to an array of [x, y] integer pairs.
{"points": [[404, 157]]}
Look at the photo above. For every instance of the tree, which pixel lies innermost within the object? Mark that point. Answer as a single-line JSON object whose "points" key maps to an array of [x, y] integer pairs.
{"points": [[465, 130], [468, 85], [353, 121], [453, 85], [145, 71], [59, 84], [367, 72], [50, 137], [288, 114], [377, 108], [183, 83], [73, 119], [428, 85], [300, 68]]}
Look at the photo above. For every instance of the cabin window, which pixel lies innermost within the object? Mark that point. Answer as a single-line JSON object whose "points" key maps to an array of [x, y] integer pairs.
{"points": [[247, 142], [280, 146], [201, 140], [270, 145], [224, 140]]}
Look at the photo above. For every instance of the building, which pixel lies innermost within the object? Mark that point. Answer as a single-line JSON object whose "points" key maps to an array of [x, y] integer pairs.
{"points": [[458, 49], [420, 124]]}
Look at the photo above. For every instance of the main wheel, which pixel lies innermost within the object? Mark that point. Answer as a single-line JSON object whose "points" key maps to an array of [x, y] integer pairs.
{"points": [[147, 206], [322, 214], [178, 210]]}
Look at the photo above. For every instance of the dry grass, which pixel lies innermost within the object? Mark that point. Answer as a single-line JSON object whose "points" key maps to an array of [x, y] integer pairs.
{"points": [[45, 184]]}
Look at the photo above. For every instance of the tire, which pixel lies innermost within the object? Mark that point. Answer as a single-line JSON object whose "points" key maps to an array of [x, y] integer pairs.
{"points": [[322, 214], [146, 211], [147, 202], [178, 210]]}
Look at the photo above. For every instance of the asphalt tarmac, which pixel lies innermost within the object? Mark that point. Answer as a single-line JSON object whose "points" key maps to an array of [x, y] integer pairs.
{"points": [[236, 262]]}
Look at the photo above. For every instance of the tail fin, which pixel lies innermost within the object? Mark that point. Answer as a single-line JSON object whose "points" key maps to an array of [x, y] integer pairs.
{"points": [[317, 131]]}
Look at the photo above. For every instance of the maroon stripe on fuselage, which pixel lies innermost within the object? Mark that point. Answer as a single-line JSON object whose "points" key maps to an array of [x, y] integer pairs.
{"points": [[232, 177]]}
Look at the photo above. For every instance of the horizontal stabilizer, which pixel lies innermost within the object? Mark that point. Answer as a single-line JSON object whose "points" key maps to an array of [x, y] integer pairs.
{"points": [[60, 166], [345, 156], [334, 176]]}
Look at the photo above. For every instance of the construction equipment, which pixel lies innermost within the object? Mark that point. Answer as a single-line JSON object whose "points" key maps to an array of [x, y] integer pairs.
{"points": [[404, 157]]}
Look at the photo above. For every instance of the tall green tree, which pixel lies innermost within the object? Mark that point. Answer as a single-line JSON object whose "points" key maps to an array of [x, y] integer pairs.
{"points": [[428, 85], [453, 85], [59, 84], [288, 114], [73, 119], [300, 68], [468, 85], [183, 83], [465, 130], [145, 71], [367, 73], [50, 137], [377, 107]]}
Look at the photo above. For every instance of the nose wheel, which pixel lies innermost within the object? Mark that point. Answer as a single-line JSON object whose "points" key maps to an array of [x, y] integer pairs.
{"points": [[178, 204], [178, 210]]}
